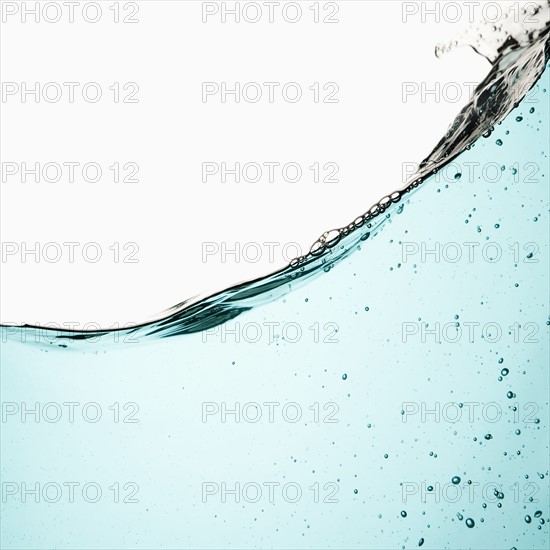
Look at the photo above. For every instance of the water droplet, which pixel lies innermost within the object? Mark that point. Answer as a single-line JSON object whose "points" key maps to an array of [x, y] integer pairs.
{"points": [[470, 523], [344, 376], [455, 480], [527, 519], [538, 513], [420, 542], [403, 514], [498, 142], [504, 372], [488, 436]]}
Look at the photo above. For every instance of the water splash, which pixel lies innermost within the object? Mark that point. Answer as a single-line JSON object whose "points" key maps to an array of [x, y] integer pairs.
{"points": [[518, 53]]}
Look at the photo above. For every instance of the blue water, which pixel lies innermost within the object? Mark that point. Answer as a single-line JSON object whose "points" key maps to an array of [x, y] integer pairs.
{"points": [[365, 412]]}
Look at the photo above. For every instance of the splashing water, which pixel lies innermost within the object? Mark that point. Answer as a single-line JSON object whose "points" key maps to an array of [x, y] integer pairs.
{"points": [[518, 53], [353, 412]]}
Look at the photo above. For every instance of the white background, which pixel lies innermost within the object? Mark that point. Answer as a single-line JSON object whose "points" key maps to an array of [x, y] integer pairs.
{"points": [[170, 132]]}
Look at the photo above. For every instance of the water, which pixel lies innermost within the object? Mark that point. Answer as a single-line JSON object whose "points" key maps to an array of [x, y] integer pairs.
{"points": [[398, 400]]}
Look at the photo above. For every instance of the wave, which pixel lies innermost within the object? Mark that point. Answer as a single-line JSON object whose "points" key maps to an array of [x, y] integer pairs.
{"points": [[518, 54]]}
